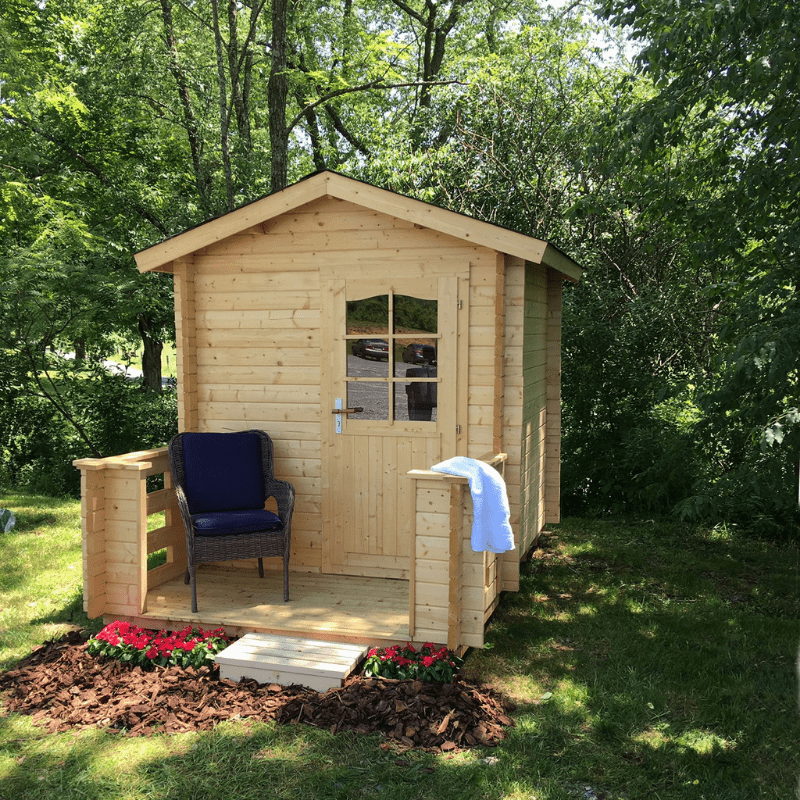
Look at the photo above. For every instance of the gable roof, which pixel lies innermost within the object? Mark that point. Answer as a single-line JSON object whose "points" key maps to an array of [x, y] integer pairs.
{"points": [[159, 256]]}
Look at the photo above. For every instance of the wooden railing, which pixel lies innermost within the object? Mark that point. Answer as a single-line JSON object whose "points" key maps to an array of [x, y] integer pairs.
{"points": [[452, 589], [115, 506]]}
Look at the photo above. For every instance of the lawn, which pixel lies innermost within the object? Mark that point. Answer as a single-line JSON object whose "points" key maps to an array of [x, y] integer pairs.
{"points": [[647, 660]]}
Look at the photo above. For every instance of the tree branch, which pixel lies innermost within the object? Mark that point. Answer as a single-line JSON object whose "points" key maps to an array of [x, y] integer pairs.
{"points": [[364, 87]]}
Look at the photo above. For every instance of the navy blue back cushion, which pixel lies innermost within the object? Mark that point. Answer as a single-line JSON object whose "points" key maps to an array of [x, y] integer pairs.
{"points": [[223, 471]]}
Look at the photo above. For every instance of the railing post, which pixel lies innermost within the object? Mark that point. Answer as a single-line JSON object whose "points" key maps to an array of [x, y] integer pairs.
{"points": [[455, 575], [93, 536], [115, 506]]}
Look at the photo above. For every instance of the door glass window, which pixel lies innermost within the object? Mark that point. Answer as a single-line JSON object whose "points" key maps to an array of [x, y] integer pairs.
{"points": [[414, 315], [392, 345], [367, 343], [369, 396]]}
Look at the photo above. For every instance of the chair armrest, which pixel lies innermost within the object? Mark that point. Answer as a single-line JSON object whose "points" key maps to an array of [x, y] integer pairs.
{"points": [[183, 506], [283, 492]]}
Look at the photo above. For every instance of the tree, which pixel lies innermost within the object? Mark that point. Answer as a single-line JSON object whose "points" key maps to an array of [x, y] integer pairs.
{"points": [[729, 71]]}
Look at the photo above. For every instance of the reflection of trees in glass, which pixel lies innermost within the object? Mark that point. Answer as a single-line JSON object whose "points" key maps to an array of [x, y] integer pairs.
{"points": [[411, 313], [370, 311]]}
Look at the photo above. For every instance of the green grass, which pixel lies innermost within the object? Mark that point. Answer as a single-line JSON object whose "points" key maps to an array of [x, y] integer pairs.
{"points": [[41, 593], [647, 661]]}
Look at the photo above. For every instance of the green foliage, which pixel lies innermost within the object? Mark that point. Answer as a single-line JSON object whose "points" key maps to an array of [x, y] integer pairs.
{"points": [[410, 313], [726, 87], [38, 445], [673, 181]]}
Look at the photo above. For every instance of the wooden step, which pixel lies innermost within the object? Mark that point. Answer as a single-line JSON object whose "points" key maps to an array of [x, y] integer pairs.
{"points": [[287, 660]]}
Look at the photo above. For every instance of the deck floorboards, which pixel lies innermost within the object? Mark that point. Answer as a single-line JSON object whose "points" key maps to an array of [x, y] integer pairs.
{"points": [[333, 607]]}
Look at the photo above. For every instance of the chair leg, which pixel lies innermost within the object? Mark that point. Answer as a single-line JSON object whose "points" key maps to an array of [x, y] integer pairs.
{"points": [[285, 580], [193, 581], [260, 567]]}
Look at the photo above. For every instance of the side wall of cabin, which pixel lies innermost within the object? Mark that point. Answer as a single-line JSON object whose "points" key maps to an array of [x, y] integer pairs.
{"points": [[541, 396]]}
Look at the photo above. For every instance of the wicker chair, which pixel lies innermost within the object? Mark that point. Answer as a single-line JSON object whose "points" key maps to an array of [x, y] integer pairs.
{"points": [[222, 482]]}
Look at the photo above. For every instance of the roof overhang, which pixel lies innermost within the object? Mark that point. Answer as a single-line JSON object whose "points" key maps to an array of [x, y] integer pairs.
{"points": [[160, 257]]}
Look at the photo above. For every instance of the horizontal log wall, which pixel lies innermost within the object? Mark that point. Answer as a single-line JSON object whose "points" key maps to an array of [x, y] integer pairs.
{"points": [[257, 328], [553, 425]]}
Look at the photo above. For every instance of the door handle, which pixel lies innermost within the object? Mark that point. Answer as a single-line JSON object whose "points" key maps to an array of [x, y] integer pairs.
{"points": [[356, 410]]}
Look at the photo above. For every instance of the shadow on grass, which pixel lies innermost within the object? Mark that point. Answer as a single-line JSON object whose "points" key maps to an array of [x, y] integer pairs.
{"points": [[71, 614], [654, 664]]}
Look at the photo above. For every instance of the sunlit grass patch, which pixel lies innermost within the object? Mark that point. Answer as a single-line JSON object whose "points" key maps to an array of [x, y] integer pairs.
{"points": [[40, 573]]}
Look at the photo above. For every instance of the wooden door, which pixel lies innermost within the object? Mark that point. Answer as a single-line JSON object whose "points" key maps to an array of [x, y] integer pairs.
{"points": [[401, 424]]}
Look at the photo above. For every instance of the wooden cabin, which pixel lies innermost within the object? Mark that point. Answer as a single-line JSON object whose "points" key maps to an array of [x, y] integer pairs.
{"points": [[275, 307]]}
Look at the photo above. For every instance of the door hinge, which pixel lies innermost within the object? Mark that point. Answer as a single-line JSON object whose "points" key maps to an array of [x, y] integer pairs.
{"points": [[460, 305], [458, 429]]}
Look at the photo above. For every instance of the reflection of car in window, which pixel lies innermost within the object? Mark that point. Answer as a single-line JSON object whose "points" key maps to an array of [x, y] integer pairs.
{"points": [[421, 396], [371, 348], [416, 353]]}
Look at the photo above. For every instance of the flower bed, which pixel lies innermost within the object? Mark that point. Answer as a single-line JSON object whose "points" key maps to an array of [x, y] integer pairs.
{"points": [[406, 662], [62, 687], [190, 647]]}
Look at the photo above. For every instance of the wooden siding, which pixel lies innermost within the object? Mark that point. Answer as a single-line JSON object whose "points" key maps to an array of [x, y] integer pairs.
{"points": [[533, 422], [262, 347], [513, 359], [328, 185], [116, 542], [553, 423], [186, 343], [259, 329]]}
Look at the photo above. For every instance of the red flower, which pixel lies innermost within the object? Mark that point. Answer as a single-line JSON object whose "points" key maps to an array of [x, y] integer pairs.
{"points": [[427, 661]]}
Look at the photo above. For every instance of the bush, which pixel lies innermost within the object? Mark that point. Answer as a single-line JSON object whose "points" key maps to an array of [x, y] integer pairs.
{"points": [[38, 444]]}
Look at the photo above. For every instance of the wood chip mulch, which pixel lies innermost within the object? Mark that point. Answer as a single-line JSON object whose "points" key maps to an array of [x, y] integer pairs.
{"points": [[62, 687]]}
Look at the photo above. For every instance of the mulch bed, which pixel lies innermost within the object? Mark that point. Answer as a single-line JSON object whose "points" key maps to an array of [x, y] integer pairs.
{"points": [[63, 687]]}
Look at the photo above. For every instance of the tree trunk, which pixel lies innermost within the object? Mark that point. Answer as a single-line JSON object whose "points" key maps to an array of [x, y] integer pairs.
{"points": [[151, 357], [224, 118], [277, 93], [201, 177]]}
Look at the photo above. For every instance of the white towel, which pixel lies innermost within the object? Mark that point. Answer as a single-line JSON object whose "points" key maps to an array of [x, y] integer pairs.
{"points": [[491, 528]]}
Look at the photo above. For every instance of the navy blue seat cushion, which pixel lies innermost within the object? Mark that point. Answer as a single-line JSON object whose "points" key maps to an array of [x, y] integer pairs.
{"points": [[224, 523], [223, 471]]}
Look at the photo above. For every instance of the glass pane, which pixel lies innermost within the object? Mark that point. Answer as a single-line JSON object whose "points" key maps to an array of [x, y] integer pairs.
{"points": [[415, 400], [413, 352], [413, 315], [373, 398], [367, 358], [369, 316]]}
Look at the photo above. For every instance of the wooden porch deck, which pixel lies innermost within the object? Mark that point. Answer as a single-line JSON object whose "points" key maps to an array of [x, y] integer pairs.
{"points": [[331, 607]]}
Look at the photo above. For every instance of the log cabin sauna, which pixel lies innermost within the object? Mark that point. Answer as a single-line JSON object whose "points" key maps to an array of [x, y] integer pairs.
{"points": [[274, 305]]}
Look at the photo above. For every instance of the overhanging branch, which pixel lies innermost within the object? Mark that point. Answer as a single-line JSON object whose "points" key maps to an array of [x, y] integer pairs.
{"points": [[364, 87]]}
